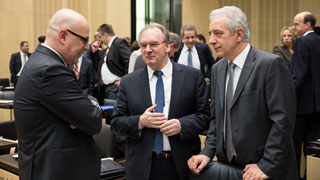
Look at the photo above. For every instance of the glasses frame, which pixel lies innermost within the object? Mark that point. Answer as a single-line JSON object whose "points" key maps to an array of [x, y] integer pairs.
{"points": [[85, 40]]}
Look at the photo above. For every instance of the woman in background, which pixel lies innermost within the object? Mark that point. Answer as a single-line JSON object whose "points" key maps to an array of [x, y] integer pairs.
{"points": [[285, 50]]}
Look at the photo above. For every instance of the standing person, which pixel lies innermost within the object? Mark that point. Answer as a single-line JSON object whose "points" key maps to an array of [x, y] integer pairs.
{"points": [[305, 71], [285, 50], [253, 104], [18, 60], [55, 121], [161, 109], [113, 62], [193, 53]]}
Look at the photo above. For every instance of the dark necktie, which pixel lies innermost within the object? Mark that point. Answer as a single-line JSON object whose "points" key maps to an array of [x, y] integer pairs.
{"points": [[76, 70], [189, 57], [158, 143], [228, 131], [24, 58]]}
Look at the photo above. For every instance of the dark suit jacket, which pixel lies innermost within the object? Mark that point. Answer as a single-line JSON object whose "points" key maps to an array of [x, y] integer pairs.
{"points": [[205, 57], [262, 115], [47, 101], [15, 66], [86, 76], [117, 58], [188, 104], [283, 52], [305, 68]]}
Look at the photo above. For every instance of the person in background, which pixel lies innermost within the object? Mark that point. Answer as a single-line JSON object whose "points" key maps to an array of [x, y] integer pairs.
{"points": [[128, 39], [175, 42], [317, 30], [55, 121], [18, 60], [201, 38], [305, 72], [285, 50], [253, 105], [41, 39]]}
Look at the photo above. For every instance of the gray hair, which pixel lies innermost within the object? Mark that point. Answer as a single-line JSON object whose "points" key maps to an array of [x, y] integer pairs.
{"points": [[235, 19], [165, 33], [188, 27], [175, 39]]}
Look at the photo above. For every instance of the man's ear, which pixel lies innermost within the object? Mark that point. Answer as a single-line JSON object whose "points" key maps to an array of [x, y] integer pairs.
{"points": [[308, 24], [240, 34], [62, 36]]}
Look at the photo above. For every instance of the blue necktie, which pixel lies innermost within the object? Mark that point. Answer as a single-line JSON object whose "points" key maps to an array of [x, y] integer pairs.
{"points": [[158, 143], [189, 57]]}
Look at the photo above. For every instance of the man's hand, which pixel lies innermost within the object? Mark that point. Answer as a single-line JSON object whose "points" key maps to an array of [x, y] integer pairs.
{"points": [[117, 82], [171, 127], [253, 172], [197, 162], [95, 46], [152, 120]]}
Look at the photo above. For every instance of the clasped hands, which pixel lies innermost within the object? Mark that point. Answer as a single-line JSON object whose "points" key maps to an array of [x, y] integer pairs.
{"points": [[156, 120]]}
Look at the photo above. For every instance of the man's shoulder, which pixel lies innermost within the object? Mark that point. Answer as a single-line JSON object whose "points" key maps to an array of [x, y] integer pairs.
{"points": [[16, 54]]}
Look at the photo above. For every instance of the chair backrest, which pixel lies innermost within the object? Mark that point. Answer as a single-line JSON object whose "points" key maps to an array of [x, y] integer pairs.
{"points": [[4, 82], [8, 130], [105, 141], [8, 95]]}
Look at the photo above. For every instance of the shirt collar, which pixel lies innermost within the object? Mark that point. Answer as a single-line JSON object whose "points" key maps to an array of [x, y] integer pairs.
{"points": [[308, 32], [241, 58], [185, 48], [22, 53], [47, 46], [110, 43], [166, 70]]}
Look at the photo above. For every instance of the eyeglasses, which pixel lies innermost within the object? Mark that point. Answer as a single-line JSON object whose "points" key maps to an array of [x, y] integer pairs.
{"points": [[152, 45], [85, 40]]}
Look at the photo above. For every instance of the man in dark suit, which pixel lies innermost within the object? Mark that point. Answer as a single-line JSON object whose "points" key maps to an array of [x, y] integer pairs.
{"points": [[253, 104], [18, 60], [112, 62], [193, 53], [55, 121], [161, 115], [305, 68], [85, 75]]}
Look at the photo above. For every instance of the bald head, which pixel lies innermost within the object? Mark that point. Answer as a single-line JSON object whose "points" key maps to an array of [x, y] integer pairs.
{"points": [[303, 22], [68, 34]]}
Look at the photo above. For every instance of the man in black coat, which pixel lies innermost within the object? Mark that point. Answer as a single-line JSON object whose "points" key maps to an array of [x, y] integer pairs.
{"points": [[305, 69], [55, 121], [18, 60]]}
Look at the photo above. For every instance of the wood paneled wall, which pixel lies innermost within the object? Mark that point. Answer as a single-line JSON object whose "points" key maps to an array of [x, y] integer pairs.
{"points": [[28, 19], [266, 17]]}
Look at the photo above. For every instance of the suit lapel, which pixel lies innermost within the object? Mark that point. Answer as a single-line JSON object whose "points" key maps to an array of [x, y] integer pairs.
{"points": [[221, 75], [245, 73], [177, 83], [144, 89]]}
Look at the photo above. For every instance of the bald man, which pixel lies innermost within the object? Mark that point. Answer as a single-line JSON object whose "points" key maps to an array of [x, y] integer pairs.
{"points": [[305, 67], [55, 121]]}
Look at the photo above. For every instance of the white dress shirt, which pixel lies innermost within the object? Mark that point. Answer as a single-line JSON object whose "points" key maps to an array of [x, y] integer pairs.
{"points": [[167, 84], [183, 58], [22, 55], [106, 74]]}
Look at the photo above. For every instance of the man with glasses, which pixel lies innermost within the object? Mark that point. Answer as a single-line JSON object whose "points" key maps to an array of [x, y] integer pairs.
{"points": [[161, 109], [305, 71], [55, 121]]}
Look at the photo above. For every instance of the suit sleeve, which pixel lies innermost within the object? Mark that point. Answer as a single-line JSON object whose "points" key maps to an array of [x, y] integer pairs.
{"points": [[125, 52], [91, 75], [198, 121], [68, 101], [12, 67], [210, 61], [300, 63], [210, 144], [121, 121], [281, 104]]}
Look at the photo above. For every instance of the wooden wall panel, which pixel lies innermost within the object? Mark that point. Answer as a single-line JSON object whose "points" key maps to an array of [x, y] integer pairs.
{"points": [[266, 17]]}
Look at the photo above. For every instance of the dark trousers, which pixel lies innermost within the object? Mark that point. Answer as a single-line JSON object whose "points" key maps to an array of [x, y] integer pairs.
{"points": [[109, 91], [307, 128], [163, 169]]}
